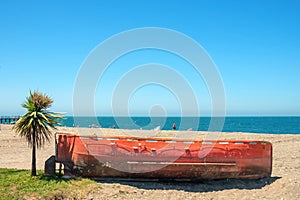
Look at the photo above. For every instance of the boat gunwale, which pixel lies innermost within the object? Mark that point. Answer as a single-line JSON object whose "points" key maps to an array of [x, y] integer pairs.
{"points": [[169, 139]]}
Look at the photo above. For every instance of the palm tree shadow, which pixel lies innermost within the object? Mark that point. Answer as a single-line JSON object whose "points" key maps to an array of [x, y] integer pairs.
{"points": [[56, 178], [201, 186]]}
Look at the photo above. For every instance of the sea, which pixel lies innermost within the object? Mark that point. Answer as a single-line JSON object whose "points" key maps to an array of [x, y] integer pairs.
{"points": [[272, 125]]}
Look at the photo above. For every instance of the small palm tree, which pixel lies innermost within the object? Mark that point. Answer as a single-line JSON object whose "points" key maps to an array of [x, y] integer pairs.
{"points": [[37, 124]]}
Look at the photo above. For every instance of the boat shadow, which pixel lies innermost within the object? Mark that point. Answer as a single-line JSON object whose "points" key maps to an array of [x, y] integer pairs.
{"points": [[198, 186]]}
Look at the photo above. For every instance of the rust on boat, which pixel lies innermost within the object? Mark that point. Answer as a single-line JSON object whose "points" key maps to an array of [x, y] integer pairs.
{"points": [[162, 158]]}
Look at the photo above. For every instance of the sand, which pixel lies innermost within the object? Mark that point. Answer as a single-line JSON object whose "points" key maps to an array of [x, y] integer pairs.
{"points": [[283, 184]]}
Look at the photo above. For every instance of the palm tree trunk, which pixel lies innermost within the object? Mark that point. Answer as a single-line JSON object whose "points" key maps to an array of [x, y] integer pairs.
{"points": [[33, 160]]}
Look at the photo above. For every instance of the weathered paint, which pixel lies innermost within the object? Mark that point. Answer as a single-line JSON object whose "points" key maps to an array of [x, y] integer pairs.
{"points": [[163, 158]]}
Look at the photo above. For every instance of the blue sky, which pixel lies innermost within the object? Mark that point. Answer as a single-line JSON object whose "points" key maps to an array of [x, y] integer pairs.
{"points": [[254, 44]]}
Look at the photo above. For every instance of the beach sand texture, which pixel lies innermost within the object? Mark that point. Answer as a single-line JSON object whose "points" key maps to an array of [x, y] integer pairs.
{"points": [[283, 184]]}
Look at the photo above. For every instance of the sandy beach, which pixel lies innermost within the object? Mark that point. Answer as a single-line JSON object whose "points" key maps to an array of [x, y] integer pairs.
{"points": [[283, 184]]}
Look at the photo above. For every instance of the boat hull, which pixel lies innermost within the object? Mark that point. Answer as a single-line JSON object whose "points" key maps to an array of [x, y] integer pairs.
{"points": [[162, 158]]}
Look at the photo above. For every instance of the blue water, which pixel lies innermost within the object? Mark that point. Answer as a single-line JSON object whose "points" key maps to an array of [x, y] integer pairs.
{"points": [[275, 125]]}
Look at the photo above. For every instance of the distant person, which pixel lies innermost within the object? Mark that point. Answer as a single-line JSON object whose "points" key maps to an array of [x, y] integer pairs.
{"points": [[174, 126], [113, 126]]}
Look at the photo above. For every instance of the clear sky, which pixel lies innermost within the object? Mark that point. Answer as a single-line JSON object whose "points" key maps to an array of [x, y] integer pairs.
{"points": [[254, 44]]}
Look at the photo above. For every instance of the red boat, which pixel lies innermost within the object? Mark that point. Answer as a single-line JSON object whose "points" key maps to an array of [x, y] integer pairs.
{"points": [[162, 158]]}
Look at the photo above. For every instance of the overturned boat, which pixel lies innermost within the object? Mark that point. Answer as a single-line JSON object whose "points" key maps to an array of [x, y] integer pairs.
{"points": [[127, 157]]}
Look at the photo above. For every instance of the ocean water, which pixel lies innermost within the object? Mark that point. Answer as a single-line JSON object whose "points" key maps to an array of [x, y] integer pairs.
{"points": [[277, 125]]}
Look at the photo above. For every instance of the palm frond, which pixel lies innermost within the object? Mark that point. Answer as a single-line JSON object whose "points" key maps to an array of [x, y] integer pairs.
{"points": [[37, 118]]}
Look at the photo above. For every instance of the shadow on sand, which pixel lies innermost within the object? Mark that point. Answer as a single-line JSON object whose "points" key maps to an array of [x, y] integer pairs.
{"points": [[199, 186]]}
